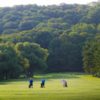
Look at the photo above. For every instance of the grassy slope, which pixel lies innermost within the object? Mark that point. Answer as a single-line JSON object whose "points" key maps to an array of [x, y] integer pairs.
{"points": [[80, 87]]}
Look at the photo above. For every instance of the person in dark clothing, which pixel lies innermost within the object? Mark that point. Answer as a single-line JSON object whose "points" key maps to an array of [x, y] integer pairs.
{"points": [[31, 83], [43, 83]]}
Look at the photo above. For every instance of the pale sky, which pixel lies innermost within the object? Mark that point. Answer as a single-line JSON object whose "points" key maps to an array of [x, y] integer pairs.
{"points": [[4, 3]]}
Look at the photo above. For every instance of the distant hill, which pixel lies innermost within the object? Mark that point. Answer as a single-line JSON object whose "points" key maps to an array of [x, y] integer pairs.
{"points": [[21, 17]]}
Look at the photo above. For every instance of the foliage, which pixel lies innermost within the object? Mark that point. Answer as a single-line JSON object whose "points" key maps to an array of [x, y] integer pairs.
{"points": [[60, 31], [9, 62], [32, 57], [91, 57]]}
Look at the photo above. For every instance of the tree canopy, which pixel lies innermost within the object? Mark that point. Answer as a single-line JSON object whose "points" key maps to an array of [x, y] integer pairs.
{"points": [[56, 38]]}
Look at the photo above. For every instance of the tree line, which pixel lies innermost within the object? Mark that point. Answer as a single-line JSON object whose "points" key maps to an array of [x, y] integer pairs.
{"points": [[21, 58], [51, 38]]}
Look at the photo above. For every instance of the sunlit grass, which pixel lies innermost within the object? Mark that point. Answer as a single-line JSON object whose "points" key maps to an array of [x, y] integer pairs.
{"points": [[80, 87]]}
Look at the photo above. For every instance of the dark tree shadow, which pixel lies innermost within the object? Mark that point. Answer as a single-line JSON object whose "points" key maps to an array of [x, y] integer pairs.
{"points": [[48, 77]]}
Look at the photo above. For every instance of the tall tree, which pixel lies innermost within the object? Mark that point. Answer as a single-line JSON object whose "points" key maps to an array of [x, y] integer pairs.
{"points": [[9, 63], [34, 55]]}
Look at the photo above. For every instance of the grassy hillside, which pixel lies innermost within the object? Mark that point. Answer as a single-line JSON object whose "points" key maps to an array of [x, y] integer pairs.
{"points": [[80, 87]]}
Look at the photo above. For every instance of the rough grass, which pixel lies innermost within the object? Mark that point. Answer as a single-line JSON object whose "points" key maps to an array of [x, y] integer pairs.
{"points": [[80, 87]]}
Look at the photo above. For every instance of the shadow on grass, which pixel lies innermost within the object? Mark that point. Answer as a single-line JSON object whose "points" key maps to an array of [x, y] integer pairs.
{"points": [[71, 75], [12, 81]]}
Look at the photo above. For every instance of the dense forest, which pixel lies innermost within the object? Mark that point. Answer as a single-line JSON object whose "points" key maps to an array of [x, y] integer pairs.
{"points": [[56, 38]]}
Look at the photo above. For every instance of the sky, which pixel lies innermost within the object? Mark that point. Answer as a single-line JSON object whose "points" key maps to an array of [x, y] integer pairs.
{"points": [[10, 3]]}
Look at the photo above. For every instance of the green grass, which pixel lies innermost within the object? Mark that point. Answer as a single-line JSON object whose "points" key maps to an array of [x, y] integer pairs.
{"points": [[80, 87]]}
